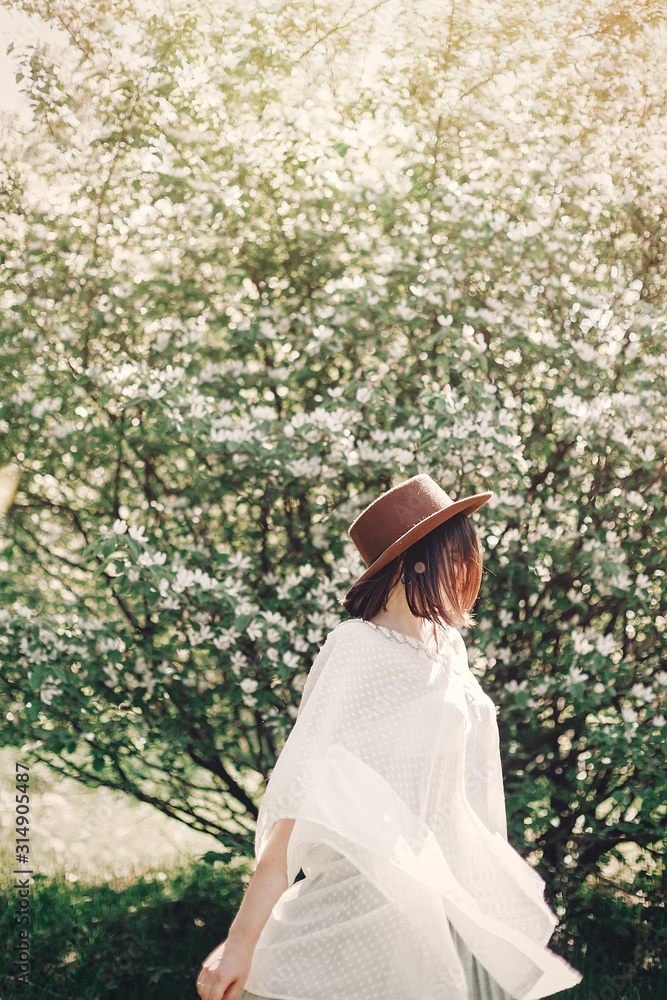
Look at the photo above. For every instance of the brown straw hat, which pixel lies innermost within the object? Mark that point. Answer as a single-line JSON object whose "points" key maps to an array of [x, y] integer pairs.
{"points": [[403, 515]]}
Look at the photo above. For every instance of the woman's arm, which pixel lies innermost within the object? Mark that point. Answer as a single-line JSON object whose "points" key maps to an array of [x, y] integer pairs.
{"points": [[266, 886], [225, 970]]}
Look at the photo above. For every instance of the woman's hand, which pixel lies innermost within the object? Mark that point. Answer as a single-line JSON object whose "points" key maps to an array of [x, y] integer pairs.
{"points": [[224, 972]]}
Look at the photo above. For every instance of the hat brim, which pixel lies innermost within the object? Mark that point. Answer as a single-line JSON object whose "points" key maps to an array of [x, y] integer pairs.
{"points": [[467, 504]]}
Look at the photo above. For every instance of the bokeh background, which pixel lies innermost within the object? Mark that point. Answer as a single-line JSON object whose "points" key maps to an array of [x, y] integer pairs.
{"points": [[259, 262]]}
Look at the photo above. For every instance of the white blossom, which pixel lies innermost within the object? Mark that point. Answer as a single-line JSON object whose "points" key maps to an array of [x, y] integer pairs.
{"points": [[621, 579], [170, 604], [319, 536], [273, 617], [642, 692], [606, 644], [233, 588], [367, 453], [204, 634], [49, 690], [513, 686], [111, 673], [238, 662], [308, 468], [576, 675], [119, 527], [238, 561], [291, 660], [403, 457], [226, 638], [246, 607], [106, 643], [190, 578], [253, 630], [146, 678], [581, 643]]}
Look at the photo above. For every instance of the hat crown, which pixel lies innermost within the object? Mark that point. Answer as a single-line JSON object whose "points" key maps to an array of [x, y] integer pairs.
{"points": [[394, 513]]}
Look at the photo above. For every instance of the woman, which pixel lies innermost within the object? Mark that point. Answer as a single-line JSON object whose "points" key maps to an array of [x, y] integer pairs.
{"points": [[388, 797]]}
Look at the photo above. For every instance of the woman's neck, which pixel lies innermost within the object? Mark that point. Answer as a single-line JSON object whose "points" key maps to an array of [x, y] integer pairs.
{"points": [[397, 615]]}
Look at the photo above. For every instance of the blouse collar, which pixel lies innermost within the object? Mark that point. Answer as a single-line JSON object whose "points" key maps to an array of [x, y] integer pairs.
{"points": [[443, 637]]}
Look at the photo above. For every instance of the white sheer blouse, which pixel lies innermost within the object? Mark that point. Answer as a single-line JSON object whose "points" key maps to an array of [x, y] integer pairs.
{"points": [[392, 773]]}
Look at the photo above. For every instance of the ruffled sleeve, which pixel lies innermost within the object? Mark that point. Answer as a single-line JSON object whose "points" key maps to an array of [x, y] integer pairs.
{"points": [[393, 762]]}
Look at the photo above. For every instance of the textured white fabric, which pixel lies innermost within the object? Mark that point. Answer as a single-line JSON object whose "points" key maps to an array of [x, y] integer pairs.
{"points": [[392, 772]]}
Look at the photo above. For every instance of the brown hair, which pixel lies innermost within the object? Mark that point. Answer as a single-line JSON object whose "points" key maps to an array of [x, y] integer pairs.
{"points": [[431, 576]]}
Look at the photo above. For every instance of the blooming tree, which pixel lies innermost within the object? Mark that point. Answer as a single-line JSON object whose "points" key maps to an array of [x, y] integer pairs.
{"points": [[262, 262]]}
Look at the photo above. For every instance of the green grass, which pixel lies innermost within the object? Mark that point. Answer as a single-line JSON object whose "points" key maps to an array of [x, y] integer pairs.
{"points": [[141, 938], [618, 947]]}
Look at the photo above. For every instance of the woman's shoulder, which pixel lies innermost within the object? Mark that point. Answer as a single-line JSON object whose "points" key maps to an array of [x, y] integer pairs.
{"points": [[355, 632], [355, 622], [349, 628], [348, 642]]}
